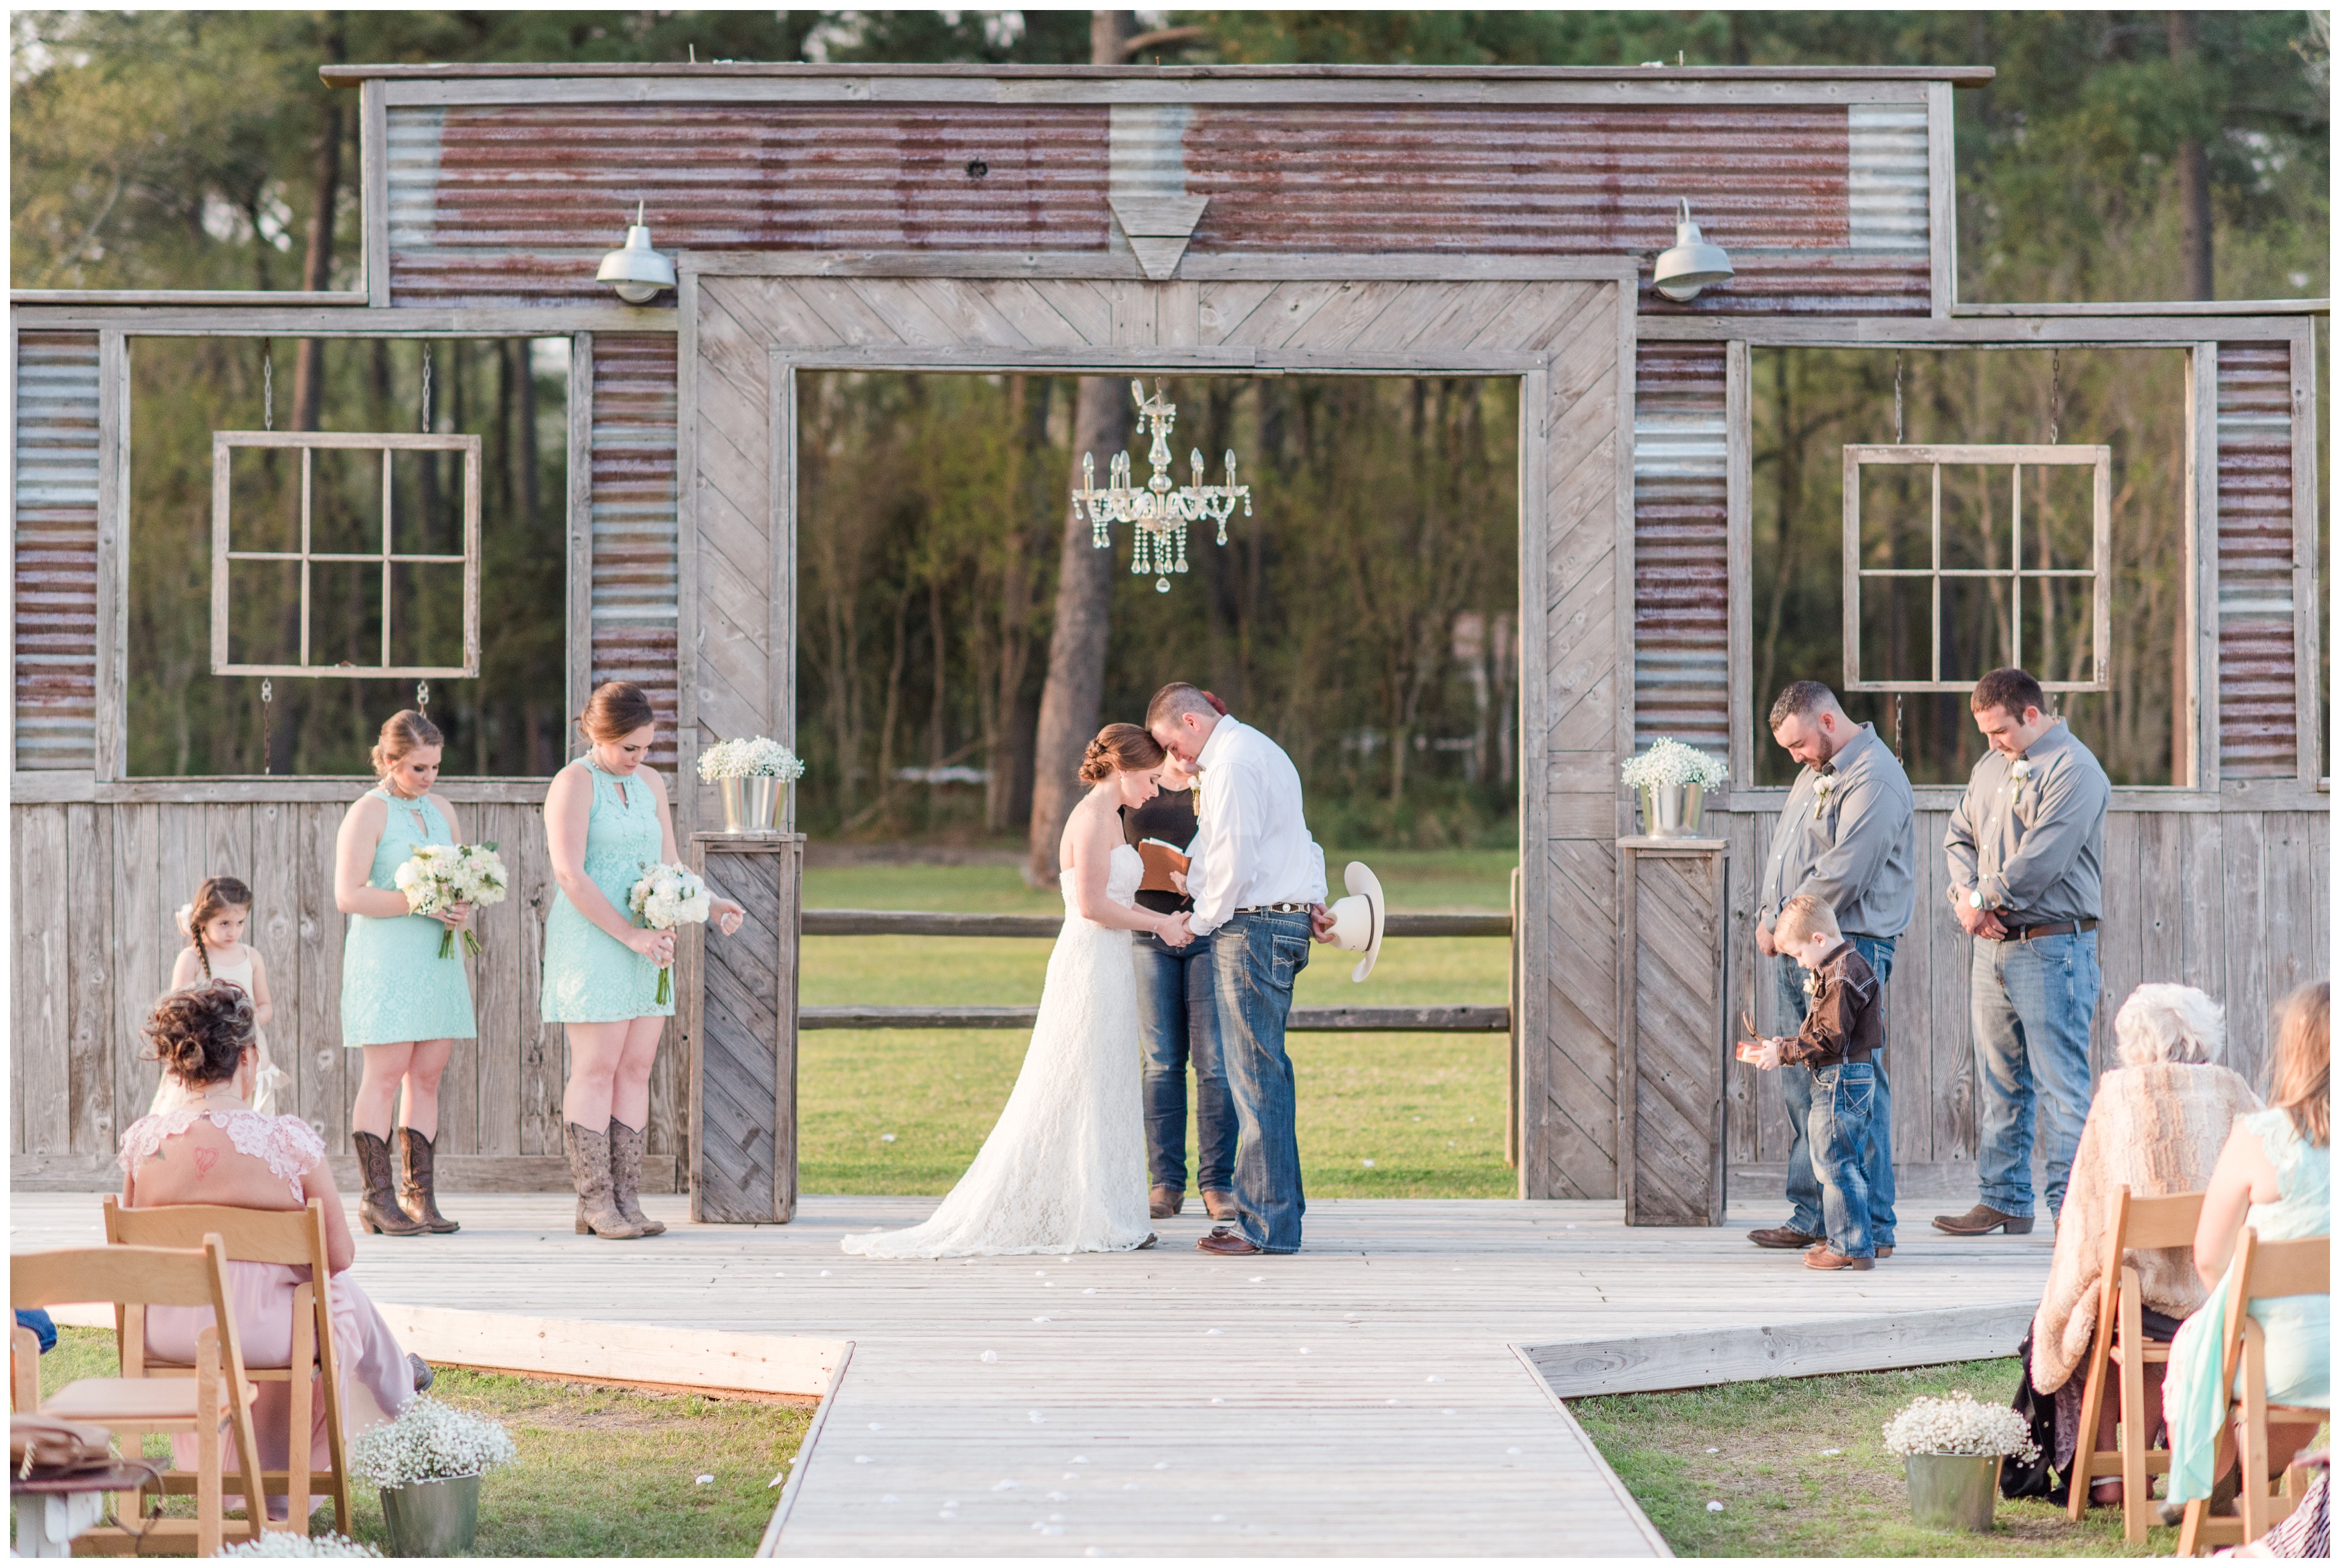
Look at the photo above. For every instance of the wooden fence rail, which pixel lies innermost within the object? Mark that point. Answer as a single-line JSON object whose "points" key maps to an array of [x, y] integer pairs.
{"points": [[922, 922], [1303, 1020]]}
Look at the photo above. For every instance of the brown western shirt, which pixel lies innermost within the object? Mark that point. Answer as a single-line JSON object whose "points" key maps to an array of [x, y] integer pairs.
{"points": [[1846, 1020]]}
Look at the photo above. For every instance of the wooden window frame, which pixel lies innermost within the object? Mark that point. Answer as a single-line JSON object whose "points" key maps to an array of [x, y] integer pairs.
{"points": [[2014, 458], [307, 443]]}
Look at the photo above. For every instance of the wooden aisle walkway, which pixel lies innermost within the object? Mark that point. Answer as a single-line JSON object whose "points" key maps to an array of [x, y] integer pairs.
{"points": [[1372, 1396]]}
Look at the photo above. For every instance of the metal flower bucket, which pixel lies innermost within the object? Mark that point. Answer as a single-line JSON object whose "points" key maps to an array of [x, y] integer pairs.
{"points": [[1672, 811], [1953, 1490], [432, 1518], [751, 804]]}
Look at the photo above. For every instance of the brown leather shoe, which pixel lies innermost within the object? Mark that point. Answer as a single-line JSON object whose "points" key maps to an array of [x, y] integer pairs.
{"points": [[1167, 1202], [1225, 1242], [1823, 1258], [1981, 1220], [1219, 1205], [1882, 1252], [1783, 1236]]}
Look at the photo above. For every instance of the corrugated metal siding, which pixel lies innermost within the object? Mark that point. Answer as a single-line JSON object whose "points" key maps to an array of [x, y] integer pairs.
{"points": [[1887, 179], [517, 205], [1681, 644], [635, 584], [2258, 669], [57, 550]]}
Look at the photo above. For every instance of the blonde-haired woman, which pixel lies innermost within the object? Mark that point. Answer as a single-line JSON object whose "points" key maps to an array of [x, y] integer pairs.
{"points": [[402, 1004], [605, 816], [2155, 1126]]}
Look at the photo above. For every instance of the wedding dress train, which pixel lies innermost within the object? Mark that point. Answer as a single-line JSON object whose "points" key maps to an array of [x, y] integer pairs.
{"points": [[1064, 1170]]}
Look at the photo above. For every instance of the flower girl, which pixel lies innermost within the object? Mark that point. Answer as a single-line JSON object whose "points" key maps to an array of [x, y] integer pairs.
{"points": [[213, 926]]}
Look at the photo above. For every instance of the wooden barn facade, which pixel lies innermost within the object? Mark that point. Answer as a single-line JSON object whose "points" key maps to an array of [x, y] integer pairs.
{"points": [[1354, 221]]}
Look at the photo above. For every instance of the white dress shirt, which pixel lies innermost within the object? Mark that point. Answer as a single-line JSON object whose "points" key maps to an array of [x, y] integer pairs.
{"points": [[1253, 847]]}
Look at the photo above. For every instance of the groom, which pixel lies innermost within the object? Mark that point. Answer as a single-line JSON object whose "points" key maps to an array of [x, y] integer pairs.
{"points": [[1258, 880]]}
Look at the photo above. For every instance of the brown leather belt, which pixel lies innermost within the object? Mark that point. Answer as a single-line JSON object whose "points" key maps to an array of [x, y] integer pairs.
{"points": [[2052, 928]]}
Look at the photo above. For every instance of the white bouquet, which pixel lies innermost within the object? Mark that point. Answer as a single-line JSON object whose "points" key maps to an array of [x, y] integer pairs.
{"points": [[1671, 764], [1960, 1425], [430, 1441], [668, 896], [759, 758], [437, 876]]}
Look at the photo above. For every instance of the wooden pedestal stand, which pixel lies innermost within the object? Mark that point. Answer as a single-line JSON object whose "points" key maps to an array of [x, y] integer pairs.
{"points": [[741, 1019], [1673, 1035]]}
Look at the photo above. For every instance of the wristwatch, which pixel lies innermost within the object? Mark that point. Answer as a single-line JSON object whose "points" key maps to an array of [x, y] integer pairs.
{"points": [[1974, 899]]}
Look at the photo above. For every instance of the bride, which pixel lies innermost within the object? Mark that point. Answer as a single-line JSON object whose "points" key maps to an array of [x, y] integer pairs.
{"points": [[1064, 1170]]}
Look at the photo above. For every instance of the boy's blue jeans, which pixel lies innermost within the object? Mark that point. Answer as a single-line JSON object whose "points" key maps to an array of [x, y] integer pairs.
{"points": [[1844, 1100], [1795, 1092], [1180, 1018]]}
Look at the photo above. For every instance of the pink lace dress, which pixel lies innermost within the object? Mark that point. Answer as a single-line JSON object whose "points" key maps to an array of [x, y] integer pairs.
{"points": [[376, 1380]]}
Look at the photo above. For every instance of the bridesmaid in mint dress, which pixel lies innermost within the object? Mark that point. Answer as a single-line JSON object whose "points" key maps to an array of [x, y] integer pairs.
{"points": [[605, 816], [402, 1004]]}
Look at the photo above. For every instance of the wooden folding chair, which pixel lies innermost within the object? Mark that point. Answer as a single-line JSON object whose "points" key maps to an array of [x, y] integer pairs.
{"points": [[2136, 1224], [2261, 1268], [295, 1236], [217, 1398]]}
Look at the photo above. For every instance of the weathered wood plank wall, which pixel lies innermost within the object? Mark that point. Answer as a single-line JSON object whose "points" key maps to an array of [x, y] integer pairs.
{"points": [[93, 888]]}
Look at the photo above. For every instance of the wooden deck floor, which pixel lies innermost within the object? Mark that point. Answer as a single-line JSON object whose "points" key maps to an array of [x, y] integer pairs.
{"points": [[1377, 1394]]}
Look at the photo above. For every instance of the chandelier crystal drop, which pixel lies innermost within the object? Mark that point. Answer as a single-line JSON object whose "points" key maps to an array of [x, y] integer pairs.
{"points": [[1160, 511]]}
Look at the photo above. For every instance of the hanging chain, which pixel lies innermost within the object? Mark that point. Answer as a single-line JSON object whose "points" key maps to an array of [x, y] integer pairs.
{"points": [[267, 725], [2055, 394], [423, 698], [267, 391], [1897, 728], [426, 388], [1897, 397]]}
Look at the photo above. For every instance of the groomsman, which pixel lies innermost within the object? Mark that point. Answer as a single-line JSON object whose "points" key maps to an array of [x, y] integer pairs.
{"points": [[1844, 838], [2027, 850]]}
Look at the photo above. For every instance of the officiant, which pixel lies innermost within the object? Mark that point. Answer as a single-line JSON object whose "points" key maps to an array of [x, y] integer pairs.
{"points": [[1176, 1012]]}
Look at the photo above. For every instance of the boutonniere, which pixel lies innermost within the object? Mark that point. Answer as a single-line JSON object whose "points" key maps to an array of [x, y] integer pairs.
{"points": [[1822, 787], [1811, 982], [2019, 771]]}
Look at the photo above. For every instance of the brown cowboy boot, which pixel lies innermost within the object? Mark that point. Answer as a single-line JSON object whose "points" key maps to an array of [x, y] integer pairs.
{"points": [[378, 1210], [626, 1175], [417, 1195], [589, 1171]]}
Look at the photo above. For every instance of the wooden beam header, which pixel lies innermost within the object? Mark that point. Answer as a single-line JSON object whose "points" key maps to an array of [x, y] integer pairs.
{"points": [[353, 75]]}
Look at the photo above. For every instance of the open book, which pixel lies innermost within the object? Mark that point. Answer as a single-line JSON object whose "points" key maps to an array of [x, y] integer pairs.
{"points": [[1161, 859]]}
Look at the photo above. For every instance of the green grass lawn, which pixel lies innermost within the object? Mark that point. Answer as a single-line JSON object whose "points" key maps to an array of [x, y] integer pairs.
{"points": [[1801, 1469], [1425, 1108], [602, 1473]]}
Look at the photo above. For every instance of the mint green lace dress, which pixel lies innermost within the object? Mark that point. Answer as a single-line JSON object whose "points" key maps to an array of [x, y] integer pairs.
{"points": [[589, 976], [395, 985]]}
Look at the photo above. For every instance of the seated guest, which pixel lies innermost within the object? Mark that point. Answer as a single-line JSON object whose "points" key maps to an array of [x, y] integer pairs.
{"points": [[2274, 1175], [1843, 1029], [214, 1149], [2155, 1126]]}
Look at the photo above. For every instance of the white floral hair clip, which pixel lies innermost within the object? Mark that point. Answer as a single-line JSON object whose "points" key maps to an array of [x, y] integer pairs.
{"points": [[184, 918]]}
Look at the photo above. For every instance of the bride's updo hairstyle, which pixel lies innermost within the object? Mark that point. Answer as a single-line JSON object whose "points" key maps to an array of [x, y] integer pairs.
{"points": [[615, 710], [1118, 748], [199, 1033], [401, 733]]}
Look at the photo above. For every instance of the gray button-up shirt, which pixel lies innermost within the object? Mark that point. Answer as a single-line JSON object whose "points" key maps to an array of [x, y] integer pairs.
{"points": [[2034, 847], [1851, 845]]}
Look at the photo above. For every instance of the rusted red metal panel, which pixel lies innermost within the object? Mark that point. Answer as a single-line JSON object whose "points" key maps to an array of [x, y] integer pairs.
{"points": [[55, 607], [1682, 641], [636, 567], [2258, 667], [516, 204]]}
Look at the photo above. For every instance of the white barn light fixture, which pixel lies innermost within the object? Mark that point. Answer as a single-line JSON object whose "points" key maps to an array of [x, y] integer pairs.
{"points": [[1691, 264], [637, 272]]}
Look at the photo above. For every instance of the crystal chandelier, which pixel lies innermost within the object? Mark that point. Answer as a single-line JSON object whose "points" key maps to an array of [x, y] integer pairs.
{"points": [[1160, 510]]}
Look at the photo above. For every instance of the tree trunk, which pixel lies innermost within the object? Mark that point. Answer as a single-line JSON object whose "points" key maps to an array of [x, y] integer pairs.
{"points": [[2193, 178], [1076, 643], [317, 266]]}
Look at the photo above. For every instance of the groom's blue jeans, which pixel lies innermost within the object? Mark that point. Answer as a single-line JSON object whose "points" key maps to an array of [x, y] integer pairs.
{"points": [[1255, 958], [1179, 1013]]}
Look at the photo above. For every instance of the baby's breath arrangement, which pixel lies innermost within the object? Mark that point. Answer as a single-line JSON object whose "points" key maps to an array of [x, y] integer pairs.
{"points": [[1961, 1426], [294, 1544], [1671, 764], [430, 1441], [757, 757]]}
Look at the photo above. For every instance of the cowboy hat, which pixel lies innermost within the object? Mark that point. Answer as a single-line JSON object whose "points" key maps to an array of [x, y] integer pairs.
{"points": [[1359, 918]]}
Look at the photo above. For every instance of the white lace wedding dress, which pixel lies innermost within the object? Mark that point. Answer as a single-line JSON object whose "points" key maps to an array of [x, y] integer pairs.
{"points": [[1064, 1170]]}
